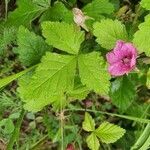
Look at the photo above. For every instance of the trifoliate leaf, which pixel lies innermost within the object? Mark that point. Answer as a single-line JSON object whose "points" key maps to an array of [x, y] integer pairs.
{"points": [[93, 72], [63, 36], [24, 14], [31, 47], [145, 4], [97, 8], [88, 123], [148, 79], [108, 32], [92, 142], [109, 133], [141, 37], [118, 93], [57, 13], [54, 75]]}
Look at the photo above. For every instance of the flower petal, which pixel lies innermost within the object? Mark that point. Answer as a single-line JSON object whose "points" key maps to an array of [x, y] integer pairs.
{"points": [[118, 69], [112, 58], [133, 62], [119, 45], [131, 48]]}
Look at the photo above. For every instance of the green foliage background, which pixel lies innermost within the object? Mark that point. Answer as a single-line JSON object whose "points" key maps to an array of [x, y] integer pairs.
{"points": [[61, 80]]}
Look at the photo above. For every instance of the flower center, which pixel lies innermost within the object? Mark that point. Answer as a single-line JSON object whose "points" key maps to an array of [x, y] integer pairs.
{"points": [[126, 60]]}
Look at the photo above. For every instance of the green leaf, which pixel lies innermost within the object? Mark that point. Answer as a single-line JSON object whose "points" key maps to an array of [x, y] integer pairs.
{"points": [[93, 72], [24, 14], [141, 37], [92, 142], [53, 76], [57, 13], [63, 36], [39, 104], [108, 32], [122, 93], [8, 125], [7, 38], [6, 101], [31, 47], [56, 99], [148, 79], [109, 133], [23, 82], [97, 8], [88, 123], [29, 105], [145, 4]]}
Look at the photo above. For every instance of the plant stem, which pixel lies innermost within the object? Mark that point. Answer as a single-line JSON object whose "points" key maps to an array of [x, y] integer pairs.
{"points": [[113, 115], [15, 134], [62, 132], [144, 137], [6, 9], [62, 125]]}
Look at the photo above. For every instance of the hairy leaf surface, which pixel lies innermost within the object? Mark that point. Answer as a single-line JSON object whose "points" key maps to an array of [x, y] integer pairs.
{"points": [[93, 72], [26, 12], [122, 93], [141, 37], [88, 123], [109, 133], [92, 142], [108, 32], [54, 76], [31, 47], [145, 4], [57, 13], [97, 8], [63, 36]]}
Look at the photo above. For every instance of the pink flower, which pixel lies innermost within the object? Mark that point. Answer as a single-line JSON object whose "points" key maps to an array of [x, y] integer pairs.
{"points": [[122, 59]]}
